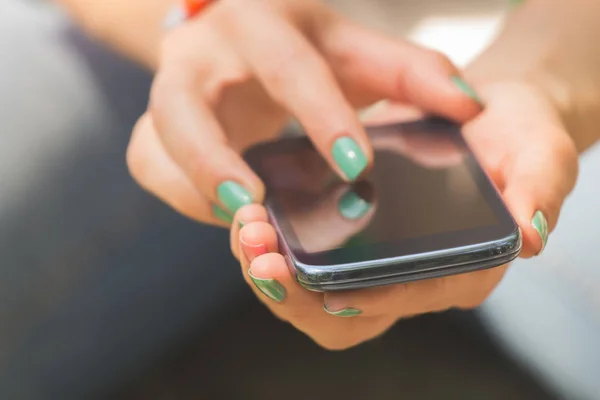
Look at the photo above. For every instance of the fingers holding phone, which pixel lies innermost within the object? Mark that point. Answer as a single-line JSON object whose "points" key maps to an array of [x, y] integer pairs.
{"points": [[414, 298], [269, 275], [227, 80], [337, 214], [413, 217]]}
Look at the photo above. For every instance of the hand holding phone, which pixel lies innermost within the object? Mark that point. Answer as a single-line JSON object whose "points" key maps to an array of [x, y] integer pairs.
{"points": [[532, 163], [438, 213]]}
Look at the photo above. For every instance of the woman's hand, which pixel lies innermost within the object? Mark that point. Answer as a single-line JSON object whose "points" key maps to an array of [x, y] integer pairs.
{"points": [[235, 74], [522, 144]]}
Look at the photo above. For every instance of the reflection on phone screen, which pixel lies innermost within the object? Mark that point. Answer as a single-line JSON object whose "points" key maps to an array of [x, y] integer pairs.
{"points": [[421, 184]]}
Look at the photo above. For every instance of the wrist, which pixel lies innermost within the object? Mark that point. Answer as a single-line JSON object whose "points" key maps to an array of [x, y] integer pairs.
{"points": [[133, 28], [574, 97], [556, 58]]}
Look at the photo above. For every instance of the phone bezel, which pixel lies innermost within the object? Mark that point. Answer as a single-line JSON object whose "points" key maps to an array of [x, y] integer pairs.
{"points": [[454, 243]]}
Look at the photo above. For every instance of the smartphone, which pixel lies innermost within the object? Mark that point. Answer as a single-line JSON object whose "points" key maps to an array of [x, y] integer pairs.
{"points": [[426, 209]]}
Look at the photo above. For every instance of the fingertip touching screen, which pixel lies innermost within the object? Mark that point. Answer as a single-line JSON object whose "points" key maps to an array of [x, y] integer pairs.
{"points": [[424, 181]]}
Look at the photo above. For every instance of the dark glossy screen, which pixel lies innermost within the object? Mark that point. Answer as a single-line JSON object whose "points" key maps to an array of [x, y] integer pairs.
{"points": [[422, 184]]}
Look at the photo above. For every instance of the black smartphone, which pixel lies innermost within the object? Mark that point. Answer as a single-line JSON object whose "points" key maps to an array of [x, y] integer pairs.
{"points": [[426, 209]]}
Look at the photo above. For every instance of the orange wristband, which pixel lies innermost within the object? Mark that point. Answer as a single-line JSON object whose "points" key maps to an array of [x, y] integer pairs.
{"points": [[193, 7]]}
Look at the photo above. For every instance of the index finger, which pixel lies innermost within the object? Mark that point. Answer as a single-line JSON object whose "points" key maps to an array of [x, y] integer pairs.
{"points": [[296, 76], [194, 139]]}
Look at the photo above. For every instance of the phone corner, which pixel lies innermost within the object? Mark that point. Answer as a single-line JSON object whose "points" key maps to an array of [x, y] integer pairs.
{"points": [[512, 244]]}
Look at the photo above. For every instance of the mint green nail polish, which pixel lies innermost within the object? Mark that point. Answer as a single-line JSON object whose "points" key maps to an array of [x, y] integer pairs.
{"points": [[270, 287], [344, 313], [222, 214], [233, 196], [540, 223], [352, 206], [514, 3], [466, 88], [349, 157]]}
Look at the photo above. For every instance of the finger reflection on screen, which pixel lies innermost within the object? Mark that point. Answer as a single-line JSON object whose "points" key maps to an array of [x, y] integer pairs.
{"points": [[304, 170], [330, 219], [429, 149], [420, 184]]}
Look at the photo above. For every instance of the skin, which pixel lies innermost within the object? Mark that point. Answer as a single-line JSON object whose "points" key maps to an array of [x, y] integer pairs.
{"points": [[229, 79], [257, 69], [521, 156]]}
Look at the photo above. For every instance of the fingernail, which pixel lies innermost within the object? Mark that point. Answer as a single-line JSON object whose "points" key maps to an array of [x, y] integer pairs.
{"points": [[251, 251], [352, 206], [540, 223], [344, 312], [514, 3], [349, 157], [233, 196], [270, 287], [222, 214], [466, 88]]}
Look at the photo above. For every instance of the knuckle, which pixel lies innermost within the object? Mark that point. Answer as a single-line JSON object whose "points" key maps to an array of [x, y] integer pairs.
{"points": [[161, 94], [198, 164], [277, 78], [564, 156], [437, 58], [567, 152], [562, 143], [285, 75], [234, 77], [215, 89], [136, 158], [343, 55], [203, 70], [134, 162], [301, 316], [551, 208], [189, 206]]}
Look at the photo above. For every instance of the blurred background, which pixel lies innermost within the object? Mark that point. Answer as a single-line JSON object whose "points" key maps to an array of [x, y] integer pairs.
{"points": [[106, 293]]}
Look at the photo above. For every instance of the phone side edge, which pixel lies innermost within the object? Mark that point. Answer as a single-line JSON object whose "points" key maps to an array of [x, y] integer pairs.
{"points": [[317, 279]]}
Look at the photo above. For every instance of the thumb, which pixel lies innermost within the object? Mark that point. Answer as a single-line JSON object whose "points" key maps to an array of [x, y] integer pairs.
{"points": [[537, 182], [398, 70]]}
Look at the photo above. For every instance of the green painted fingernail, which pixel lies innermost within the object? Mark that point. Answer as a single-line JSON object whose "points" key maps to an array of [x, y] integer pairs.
{"points": [[349, 157], [540, 223], [352, 206], [233, 196], [344, 312], [270, 287], [466, 88], [514, 3], [222, 214]]}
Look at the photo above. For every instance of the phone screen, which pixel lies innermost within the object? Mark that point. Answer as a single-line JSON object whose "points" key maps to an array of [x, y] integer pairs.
{"points": [[422, 183]]}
